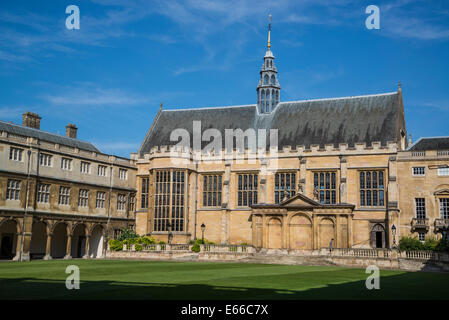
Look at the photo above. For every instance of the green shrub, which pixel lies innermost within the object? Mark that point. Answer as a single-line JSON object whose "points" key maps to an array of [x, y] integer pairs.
{"points": [[162, 242], [410, 244], [138, 247], [145, 240], [196, 248], [115, 245], [127, 234]]}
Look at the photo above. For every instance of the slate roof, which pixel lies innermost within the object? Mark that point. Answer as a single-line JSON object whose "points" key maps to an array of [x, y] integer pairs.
{"points": [[47, 136], [349, 120], [431, 143]]}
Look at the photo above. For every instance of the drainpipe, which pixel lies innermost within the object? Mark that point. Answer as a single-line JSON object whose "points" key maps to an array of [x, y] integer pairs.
{"points": [[26, 205]]}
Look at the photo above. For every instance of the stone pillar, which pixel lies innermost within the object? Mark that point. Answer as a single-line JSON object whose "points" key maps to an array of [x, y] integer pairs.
{"points": [[48, 247], [86, 250], [302, 177], [315, 231], [68, 250], [25, 247], [343, 187], [350, 230]]}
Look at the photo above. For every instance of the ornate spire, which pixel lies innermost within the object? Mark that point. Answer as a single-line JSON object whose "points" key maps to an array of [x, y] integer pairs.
{"points": [[268, 89], [269, 32]]}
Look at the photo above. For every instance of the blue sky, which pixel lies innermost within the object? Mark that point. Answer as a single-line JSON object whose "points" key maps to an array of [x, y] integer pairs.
{"points": [[129, 55]]}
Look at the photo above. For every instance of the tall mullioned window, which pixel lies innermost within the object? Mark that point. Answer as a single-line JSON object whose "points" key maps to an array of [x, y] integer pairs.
{"points": [[66, 164], [64, 195], [43, 193], [13, 190], [247, 189], [212, 190], [372, 192], [121, 202], [169, 201], [444, 208], [45, 159], [15, 154], [325, 184], [420, 208], [284, 185], [144, 193], [83, 199], [101, 199]]}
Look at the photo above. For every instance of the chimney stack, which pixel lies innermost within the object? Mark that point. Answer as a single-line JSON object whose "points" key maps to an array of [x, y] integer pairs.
{"points": [[70, 130], [31, 120]]}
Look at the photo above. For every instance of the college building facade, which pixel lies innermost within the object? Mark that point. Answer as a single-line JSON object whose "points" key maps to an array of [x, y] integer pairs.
{"points": [[340, 170], [295, 175], [59, 197]]}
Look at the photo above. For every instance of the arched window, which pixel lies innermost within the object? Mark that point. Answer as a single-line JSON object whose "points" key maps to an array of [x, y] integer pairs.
{"points": [[262, 104], [277, 96], [265, 79], [273, 79]]}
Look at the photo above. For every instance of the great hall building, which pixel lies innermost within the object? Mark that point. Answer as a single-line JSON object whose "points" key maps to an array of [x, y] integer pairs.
{"points": [[339, 169], [280, 175]]}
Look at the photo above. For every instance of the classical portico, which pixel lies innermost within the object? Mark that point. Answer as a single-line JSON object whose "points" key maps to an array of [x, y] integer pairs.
{"points": [[300, 223]]}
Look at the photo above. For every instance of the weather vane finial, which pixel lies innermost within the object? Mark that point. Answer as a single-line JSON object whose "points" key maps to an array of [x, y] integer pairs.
{"points": [[269, 31]]}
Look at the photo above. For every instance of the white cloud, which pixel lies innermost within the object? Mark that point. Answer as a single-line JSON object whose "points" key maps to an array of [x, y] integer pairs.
{"points": [[89, 95]]}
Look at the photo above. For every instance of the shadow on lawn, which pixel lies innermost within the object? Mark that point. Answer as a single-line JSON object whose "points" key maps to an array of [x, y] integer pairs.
{"points": [[403, 286]]}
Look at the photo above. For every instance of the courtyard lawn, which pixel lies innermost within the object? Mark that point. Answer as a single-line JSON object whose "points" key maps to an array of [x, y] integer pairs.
{"points": [[126, 279]]}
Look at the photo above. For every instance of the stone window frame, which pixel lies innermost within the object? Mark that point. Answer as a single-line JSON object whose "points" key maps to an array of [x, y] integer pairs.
{"points": [[83, 198], [443, 210], [212, 190], [279, 193], [144, 192], [418, 174], [43, 193], [13, 189], [247, 194], [121, 202], [64, 196], [85, 167], [102, 170], [333, 188], [100, 200], [170, 200], [443, 172], [16, 154], [45, 160], [122, 174], [363, 194], [66, 164], [420, 208]]}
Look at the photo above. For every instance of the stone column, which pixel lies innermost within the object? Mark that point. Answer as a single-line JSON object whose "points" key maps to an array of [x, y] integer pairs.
{"points": [[48, 247], [68, 250], [315, 231], [86, 250], [350, 230]]}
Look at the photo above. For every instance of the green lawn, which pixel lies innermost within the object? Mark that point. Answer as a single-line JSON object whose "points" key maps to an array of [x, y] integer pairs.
{"points": [[124, 279]]}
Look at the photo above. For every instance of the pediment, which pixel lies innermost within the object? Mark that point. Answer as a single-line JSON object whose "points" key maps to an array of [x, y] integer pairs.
{"points": [[442, 192], [299, 200]]}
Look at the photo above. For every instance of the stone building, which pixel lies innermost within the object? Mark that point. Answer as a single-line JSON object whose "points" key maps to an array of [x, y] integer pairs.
{"points": [[423, 172], [291, 175], [59, 197]]}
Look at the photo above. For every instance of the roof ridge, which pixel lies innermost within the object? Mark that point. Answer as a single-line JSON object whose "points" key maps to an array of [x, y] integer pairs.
{"points": [[341, 98], [205, 108], [50, 133]]}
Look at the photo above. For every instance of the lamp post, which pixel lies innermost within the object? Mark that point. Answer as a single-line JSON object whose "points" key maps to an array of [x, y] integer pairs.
{"points": [[393, 231], [203, 227]]}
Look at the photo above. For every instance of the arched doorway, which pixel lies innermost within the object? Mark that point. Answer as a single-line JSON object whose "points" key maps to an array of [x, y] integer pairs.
{"points": [[274, 234], [59, 241], [377, 236], [300, 233], [79, 241], [8, 239], [327, 232], [96, 242], [38, 240]]}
